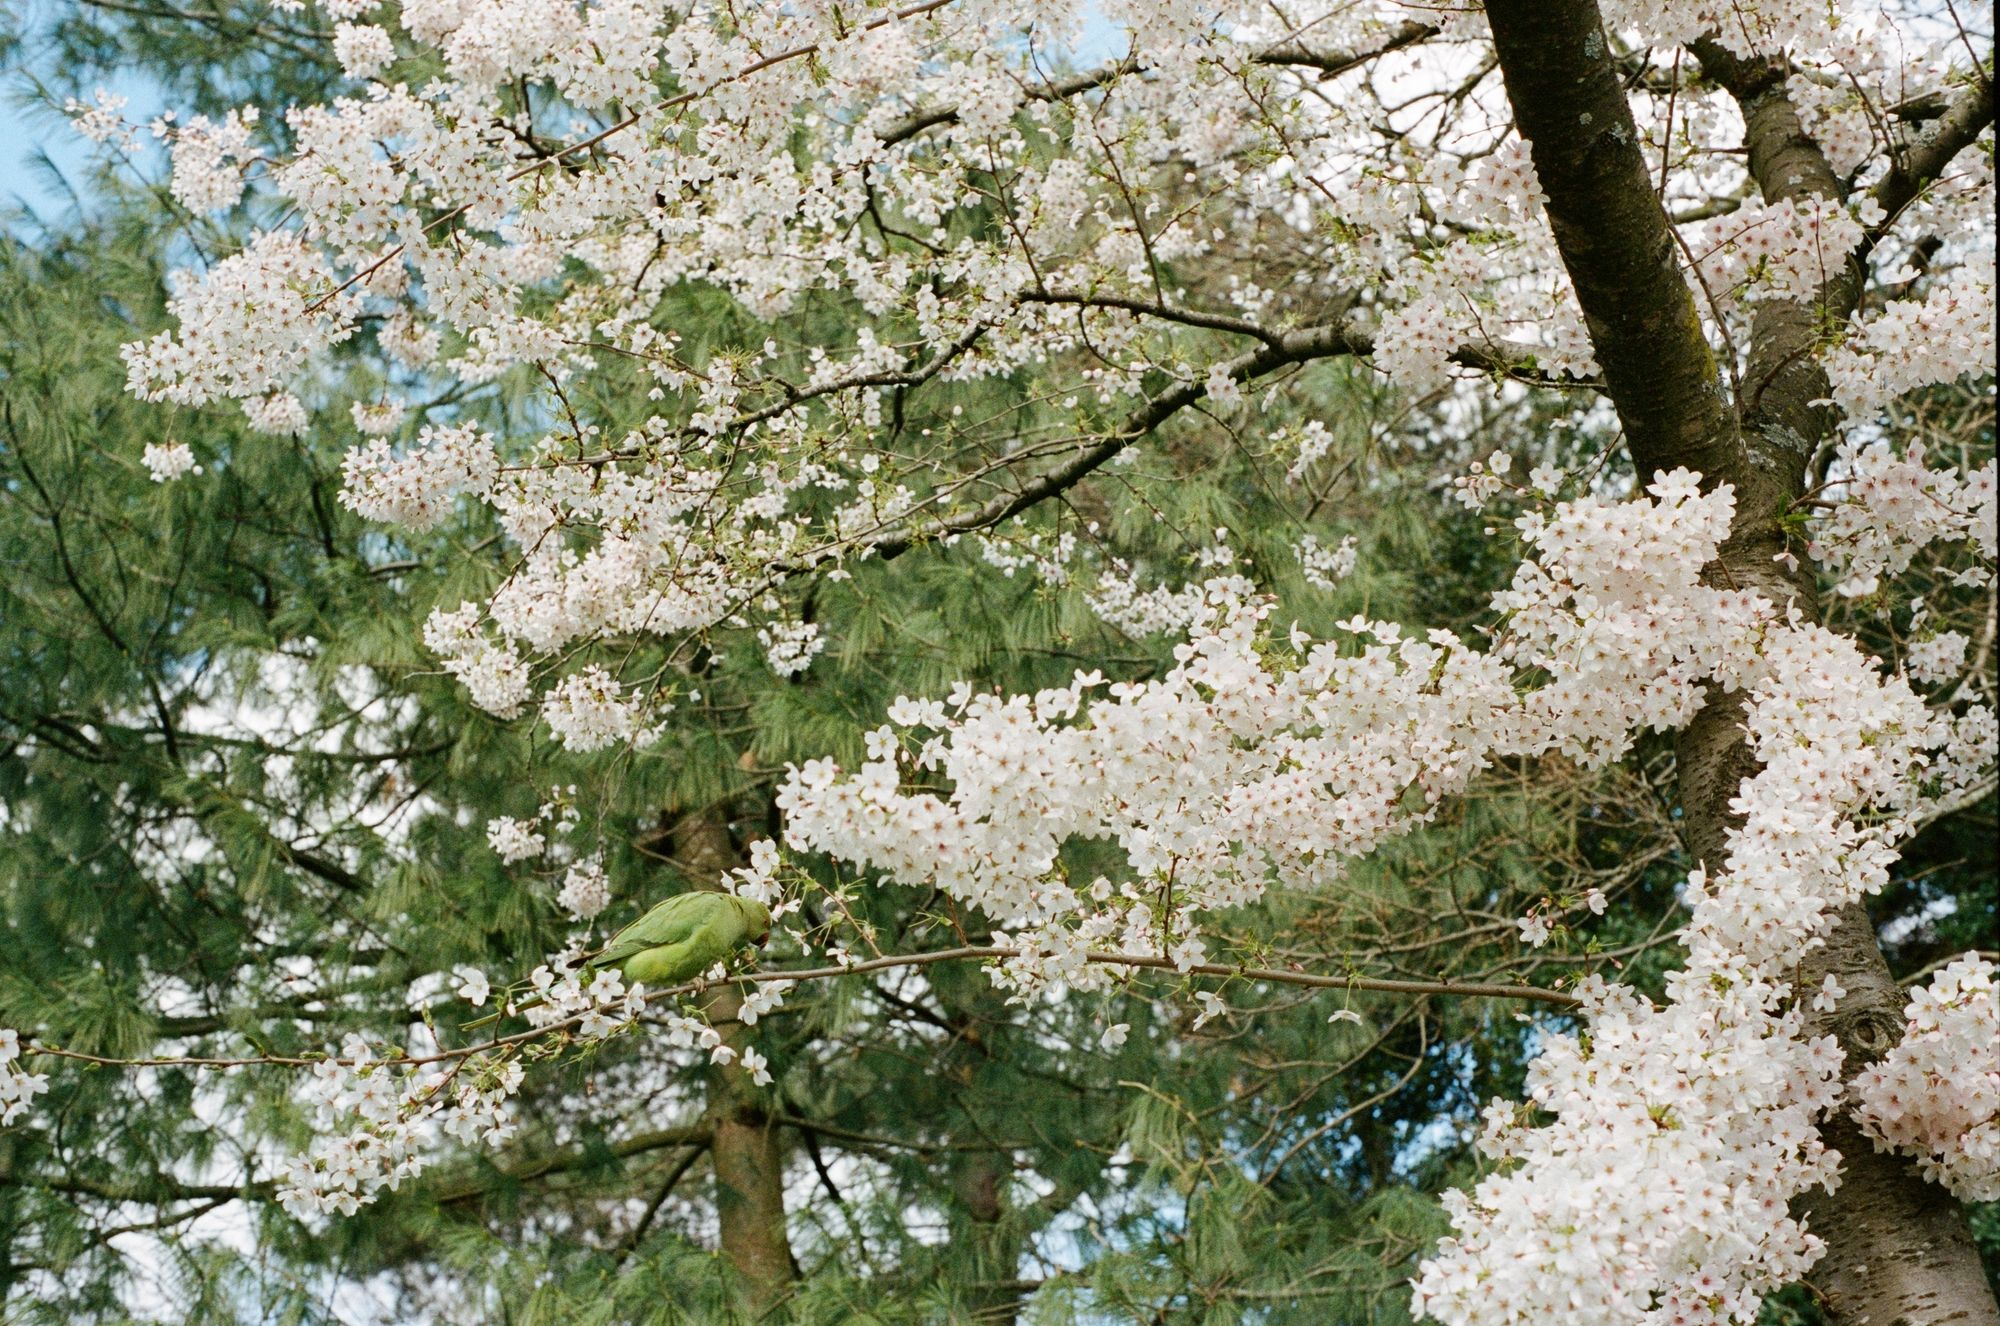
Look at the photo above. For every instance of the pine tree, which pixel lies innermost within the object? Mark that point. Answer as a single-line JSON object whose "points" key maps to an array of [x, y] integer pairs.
{"points": [[245, 816]]}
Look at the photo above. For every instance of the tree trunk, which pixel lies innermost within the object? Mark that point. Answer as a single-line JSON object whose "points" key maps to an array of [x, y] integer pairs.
{"points": [[1898, 1248], [746, 1153], [1899, 1252], [982, 1221]]}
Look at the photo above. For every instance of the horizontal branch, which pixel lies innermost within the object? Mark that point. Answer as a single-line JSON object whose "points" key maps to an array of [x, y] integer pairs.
{"points": [[1287, 53], [970, 953], [1221, 322], [1146, 961], [1280, 350], [1287, 349], [1305, 56], [1967, 116], [153, 1192], [695, 1135], [865, 1141], [144, 1192]]}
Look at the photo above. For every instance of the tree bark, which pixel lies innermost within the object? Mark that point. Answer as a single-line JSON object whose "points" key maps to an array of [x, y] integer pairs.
{"points": [[745, 1148], [983, 1222], [1898, 1247], [1899, 1252]]}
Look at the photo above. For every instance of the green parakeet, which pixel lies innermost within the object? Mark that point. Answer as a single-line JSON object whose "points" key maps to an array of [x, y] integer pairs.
{"points": [[683, 937], [675, 942]]}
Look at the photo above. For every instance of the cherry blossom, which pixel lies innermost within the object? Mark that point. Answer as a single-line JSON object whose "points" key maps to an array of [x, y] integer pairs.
{"points": [[18, 1088], [169, 460], [805, 150], [1936, 1095]]}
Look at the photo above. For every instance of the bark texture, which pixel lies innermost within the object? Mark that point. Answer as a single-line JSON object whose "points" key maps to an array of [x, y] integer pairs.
{"points": [[745, 1148], [1617, 244], [1899, 1250], [983, 1222]]}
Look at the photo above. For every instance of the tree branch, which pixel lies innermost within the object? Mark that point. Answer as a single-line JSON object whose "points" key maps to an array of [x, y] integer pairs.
{"points": [[1967, 116], [1295, 53], [968, 953], [1615, 239], [695, 1135], [1475, 990], [1280, 350], [1784, 385]]}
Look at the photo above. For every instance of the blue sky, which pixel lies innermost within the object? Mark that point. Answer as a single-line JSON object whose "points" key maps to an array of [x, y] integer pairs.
{"points": [[32, 136]]}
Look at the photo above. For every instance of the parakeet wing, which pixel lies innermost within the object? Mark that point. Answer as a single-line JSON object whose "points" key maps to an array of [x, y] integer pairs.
{"points": [[669, 923], [728, 925], [671, 964]]}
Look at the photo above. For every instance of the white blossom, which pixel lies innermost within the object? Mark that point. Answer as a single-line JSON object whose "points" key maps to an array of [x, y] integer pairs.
{"points": [[169, 460], [588, 710], [472, 986], [586, 889], [515, 840], [18, 1088], [1936, 1095]]}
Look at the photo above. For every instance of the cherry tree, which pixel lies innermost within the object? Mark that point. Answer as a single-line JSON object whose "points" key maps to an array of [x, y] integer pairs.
{"points": [[1749, 232]]}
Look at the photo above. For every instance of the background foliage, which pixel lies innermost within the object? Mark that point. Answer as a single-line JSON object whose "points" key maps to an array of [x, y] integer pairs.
{"points": [[240, 810]]}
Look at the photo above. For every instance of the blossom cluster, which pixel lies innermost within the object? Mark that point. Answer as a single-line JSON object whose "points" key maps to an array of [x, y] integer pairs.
{"points": [[791, 648], [515, 840], [1936, 658], [593, 1009], [1892, 506], [494, 675], [1912, 342], [1659, 1191], [1325, 567], [250, 324], [684, 1032], [589, 710], [18, 1087], [377, 1120], [1936, 1095], [168, 460], [419, 489], [1573, 1233], [586, 889], [472, 237], [209, 156], [102, 118], [1233, 771], [489, 221], [1788, 249]]}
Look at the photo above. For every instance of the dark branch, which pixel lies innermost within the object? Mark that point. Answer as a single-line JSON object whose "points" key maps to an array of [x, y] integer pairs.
{"points": [[1289, 53], [1280, 350], [692, 1135], [1616, 242], [1968, 116]]}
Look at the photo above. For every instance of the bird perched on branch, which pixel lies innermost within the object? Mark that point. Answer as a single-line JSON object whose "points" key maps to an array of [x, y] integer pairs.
{"points": [[676, 941], [683, 937]]}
